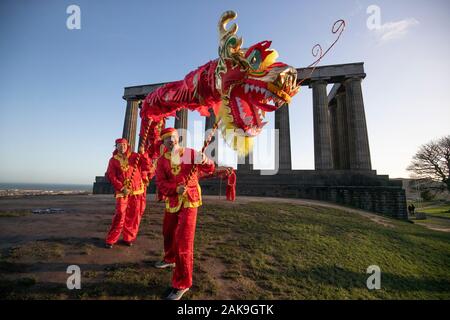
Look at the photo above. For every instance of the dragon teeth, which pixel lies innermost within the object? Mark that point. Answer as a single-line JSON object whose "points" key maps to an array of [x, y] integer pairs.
{"points": [[238, 102], [252, 131], [260, 114], [255, 88], [247, 119]]}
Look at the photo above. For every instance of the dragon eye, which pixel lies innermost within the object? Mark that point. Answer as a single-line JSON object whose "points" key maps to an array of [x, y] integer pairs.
{"points": [[254, 59]]}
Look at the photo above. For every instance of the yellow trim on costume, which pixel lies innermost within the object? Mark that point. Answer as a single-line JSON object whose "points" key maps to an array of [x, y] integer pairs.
{"points": [[183, 200], [123, 162], [168, 154], [175, 168], [133, 193], [168, 134]]}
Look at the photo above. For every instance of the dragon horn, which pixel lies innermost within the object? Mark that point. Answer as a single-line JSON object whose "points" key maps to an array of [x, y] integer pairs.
{"points": [[226, 17]]}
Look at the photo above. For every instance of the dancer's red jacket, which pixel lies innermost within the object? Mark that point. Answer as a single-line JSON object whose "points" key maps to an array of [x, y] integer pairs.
{"points": [[120, 169], [171, 173]]}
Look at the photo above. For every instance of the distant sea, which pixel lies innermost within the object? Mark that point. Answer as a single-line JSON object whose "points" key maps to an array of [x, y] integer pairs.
{"points": [[46, 186]]}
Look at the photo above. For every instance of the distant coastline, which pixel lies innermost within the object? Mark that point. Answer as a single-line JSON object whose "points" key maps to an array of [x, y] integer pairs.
{"points": [[22, 189]]}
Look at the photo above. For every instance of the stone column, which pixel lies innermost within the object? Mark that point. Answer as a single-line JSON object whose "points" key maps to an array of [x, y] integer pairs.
{"points": [[139, 111], [334, 135], [245, 164], [342, 126], [209, 121], [322, 141], [212, 149], [181, 124], [359, 153], [130, 123], [283, 145]]}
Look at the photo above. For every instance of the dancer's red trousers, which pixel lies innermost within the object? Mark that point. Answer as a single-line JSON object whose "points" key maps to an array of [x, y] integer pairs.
{"points": [[143, 202], [231, 194], [126, 219], [179, 232]]}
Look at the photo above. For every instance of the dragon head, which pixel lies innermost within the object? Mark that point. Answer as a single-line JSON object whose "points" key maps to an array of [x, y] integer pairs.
{"points": [[250, 83]]}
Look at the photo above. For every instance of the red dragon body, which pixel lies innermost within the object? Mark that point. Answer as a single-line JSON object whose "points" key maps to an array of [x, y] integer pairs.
{"points": [[240, 87]]}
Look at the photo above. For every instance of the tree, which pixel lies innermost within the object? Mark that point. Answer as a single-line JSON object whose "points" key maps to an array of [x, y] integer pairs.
{"points": [[431, 164]]}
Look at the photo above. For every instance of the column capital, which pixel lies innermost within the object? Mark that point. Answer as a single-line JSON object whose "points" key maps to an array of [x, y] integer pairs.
{"points": [[318, 81], [355, 78]]}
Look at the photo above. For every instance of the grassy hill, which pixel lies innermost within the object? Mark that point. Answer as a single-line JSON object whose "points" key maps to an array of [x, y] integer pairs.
{"points": [[252, 250]]}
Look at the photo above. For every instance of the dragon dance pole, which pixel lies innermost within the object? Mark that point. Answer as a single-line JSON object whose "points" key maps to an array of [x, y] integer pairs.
{"points": [[143, 142], [205, 145], [194, 168]]}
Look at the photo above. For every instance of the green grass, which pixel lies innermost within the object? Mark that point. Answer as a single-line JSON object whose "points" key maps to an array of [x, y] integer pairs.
{"points": [[14, 213], [37, 250], [264, 251], [293, 252], [440, 211]]}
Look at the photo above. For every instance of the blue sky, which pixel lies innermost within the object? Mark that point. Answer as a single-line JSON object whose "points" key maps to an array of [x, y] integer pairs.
{"points": [[61, 90]]}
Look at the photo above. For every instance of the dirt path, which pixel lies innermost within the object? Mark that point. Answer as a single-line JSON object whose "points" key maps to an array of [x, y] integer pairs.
{"points": [[435, 223], [371, 216]]}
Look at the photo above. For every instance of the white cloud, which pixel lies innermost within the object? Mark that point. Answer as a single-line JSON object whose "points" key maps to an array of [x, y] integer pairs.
{"points": [[394, 30]]}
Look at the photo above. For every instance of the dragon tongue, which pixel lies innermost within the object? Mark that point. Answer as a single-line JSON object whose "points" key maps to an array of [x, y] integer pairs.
{"points": [[256, 115], [267, 107]]}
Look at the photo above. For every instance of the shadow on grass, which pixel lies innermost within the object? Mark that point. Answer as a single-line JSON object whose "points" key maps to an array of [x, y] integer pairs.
{"points": [[436, 216], [347, 279], [21, 257], [29, 288], [76, 241], [115, 281], [14, 267]]}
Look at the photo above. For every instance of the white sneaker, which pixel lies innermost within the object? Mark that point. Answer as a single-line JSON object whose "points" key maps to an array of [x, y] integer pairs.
{"points": [[176, 294], [163, 265]]}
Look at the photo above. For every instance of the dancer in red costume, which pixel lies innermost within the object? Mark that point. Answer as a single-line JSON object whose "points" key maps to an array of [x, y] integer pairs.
{"points": [[231, 186], [182, 200], [129, 189]]}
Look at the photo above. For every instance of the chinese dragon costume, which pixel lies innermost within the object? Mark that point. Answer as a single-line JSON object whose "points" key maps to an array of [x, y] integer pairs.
{"points": [[240, 87]]}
